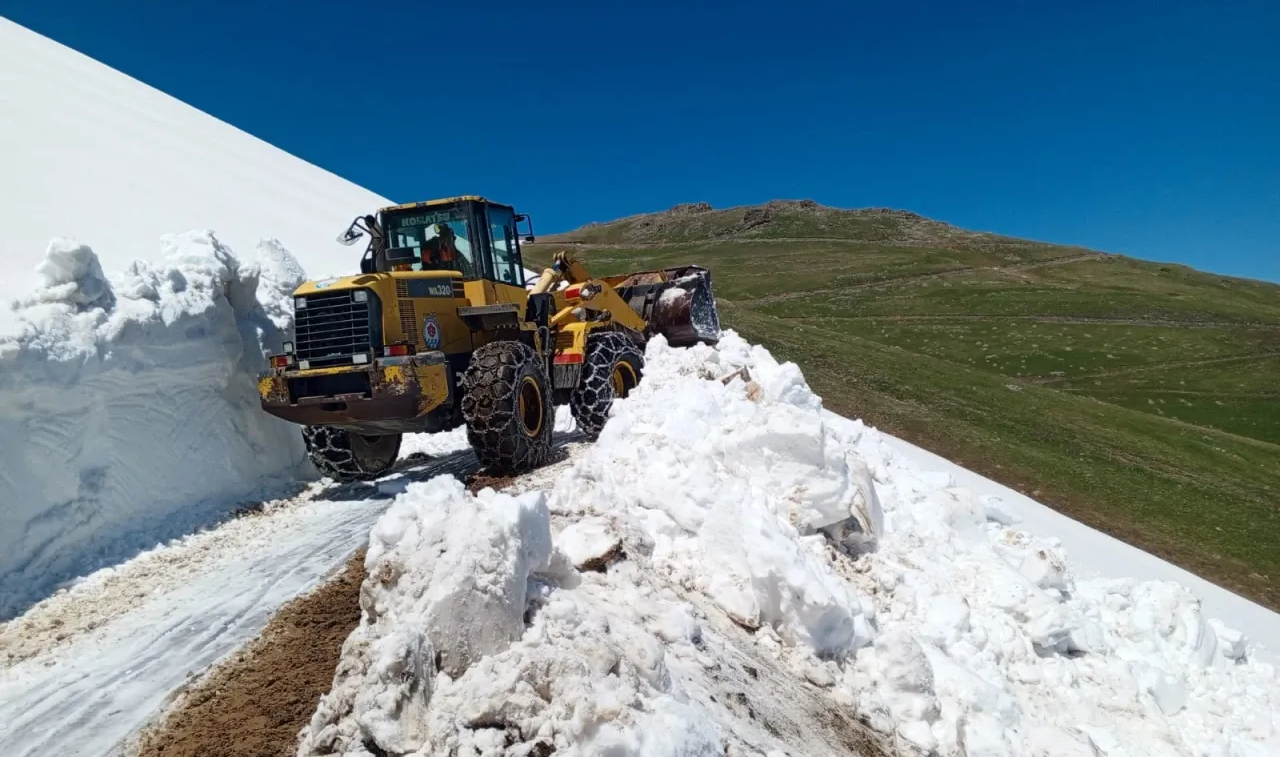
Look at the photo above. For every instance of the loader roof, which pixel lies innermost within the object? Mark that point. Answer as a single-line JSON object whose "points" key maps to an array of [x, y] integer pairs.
{"points": [[441, 201]]}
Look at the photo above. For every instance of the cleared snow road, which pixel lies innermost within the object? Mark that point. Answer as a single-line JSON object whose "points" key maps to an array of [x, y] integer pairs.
{"points": [[86, 694], [109, 684]]}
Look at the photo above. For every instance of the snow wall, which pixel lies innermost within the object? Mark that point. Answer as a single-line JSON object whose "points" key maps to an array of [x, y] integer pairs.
{"points": [[128, 406]]}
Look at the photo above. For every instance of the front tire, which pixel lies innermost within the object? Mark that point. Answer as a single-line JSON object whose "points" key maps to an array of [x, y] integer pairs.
{"points": [[506, 405], [612, 367], [345, 456]]}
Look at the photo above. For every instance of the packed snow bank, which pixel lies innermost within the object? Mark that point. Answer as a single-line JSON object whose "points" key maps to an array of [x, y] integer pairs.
{"points": [[128, 410], [93, 154], [739, 503]]}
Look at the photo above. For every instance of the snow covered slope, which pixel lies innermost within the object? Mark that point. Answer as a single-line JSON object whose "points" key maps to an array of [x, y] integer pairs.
{"points": [[89, 153]]}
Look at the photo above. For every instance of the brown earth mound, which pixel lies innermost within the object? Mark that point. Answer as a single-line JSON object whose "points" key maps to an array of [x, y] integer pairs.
{"points": [[255, 703]]}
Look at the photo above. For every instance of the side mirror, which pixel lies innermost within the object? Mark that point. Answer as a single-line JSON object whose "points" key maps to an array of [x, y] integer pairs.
{"points": [[401, 255], [526, 236], [355, 231]]}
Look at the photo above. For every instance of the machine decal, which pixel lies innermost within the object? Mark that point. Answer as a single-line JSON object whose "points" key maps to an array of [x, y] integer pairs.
{"points": [[431, 332], [420, 288], [428, 219], [325, 283]]}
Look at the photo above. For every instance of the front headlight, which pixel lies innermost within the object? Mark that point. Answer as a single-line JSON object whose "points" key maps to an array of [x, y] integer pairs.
{"points": [[360, 295], [299, 303]]}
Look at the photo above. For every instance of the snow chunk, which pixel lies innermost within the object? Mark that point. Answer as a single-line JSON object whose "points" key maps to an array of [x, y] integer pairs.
{"points": [[71, 273], [468, 563]]}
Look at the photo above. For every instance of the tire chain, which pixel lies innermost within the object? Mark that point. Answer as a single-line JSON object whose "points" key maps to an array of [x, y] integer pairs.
{"points": [[593, 396], [329, 449], [489, 407]]}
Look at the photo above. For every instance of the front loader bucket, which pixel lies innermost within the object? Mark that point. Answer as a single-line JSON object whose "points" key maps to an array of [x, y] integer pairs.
{"points": [[677, 303]]}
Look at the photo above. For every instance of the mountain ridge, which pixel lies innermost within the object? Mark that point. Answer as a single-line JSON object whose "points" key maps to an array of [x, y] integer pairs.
{"points": [[783, 218], [805, 220]]}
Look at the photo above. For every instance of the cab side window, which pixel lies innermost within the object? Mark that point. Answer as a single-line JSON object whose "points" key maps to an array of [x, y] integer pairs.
{"points": [[506, 256]]}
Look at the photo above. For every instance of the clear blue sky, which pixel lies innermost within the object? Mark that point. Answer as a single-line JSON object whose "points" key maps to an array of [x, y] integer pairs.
{"points": [[1145, 128]]}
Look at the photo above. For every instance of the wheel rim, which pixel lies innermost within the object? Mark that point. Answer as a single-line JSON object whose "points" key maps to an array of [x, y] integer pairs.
{"points": [[374, 453], [623, 378], [530, 406]]}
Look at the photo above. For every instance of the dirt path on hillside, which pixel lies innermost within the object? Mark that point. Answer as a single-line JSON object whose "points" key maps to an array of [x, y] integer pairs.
{"points": [[915, 278], [1050, 319], [1161, 365]]}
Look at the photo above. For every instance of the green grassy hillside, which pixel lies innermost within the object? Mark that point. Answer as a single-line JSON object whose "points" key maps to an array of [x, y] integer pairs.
{"points": [[1141, 398]]}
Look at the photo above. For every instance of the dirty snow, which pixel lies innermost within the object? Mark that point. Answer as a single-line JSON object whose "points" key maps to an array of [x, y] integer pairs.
{"points": [[590, 543], [801, 541], [128, 405]]}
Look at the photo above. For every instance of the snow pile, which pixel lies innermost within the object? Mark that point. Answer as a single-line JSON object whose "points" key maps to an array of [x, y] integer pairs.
{"points": [[465, 646], [733, 483], [128, 407], [724, 528]]}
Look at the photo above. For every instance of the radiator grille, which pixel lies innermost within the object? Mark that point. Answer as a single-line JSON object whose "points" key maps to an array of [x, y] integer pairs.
{"points": [[564, 340], [332, 328], [408, 321]]}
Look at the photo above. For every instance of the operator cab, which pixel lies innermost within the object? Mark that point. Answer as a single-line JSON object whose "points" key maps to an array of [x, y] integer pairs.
{"points": [[470, 235]]}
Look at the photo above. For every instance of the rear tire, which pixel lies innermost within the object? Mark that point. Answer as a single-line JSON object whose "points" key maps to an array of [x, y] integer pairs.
{"points": [[345, 456], [612, 367], [506, 405]]}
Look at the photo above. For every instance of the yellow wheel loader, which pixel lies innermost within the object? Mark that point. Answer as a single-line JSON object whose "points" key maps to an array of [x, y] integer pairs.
{"points": [[440, 329]]}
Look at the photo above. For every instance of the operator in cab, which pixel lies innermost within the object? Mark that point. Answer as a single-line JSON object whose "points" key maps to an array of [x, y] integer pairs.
{"points": [[439, 252]]}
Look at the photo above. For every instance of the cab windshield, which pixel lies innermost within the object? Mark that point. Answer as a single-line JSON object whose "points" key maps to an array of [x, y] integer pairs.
{"points": [[440, 239]]}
